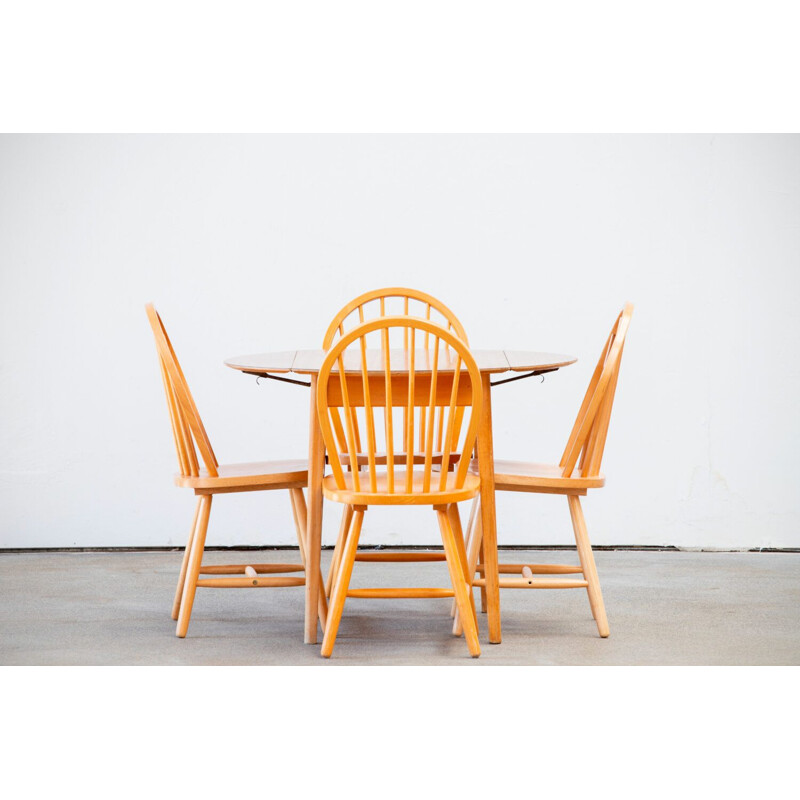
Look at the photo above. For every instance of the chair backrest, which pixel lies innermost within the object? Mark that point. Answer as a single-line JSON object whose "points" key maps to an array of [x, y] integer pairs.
{"points": [[394, 301], [588, 437], [397, 301], [187, 427], [443, 375]]}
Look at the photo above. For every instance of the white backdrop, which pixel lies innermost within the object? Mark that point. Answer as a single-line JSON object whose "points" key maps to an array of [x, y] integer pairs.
{"points": [[252, 243]]}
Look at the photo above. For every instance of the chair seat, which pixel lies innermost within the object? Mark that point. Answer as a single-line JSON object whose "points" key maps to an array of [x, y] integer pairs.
{"points": [[382, 459], [382, 497], [278, 474], [526, 476]]}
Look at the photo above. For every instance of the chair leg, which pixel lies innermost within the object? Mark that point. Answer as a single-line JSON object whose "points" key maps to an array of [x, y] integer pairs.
{"points": [[473, 551], [455, 524], [300, 513], [176, 604], [587, 564], [342, 582], [193, 567], [484, 600], [296, 516], [473, 514], [459, 583], [347, 516]]}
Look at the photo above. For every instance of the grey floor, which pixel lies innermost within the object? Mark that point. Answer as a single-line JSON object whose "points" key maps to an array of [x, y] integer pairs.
{"points": [[664, 608]]}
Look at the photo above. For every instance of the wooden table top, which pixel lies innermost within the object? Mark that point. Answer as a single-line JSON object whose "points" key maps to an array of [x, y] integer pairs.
{"points": [[308, 362]]}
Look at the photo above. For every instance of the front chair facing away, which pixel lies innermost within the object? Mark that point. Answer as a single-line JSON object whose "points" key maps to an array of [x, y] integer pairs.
{"points": [[375, 390], [214, 478], [578, 471]]}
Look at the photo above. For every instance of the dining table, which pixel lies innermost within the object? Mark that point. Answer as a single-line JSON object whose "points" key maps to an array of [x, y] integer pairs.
{"points": [[302, 367]]}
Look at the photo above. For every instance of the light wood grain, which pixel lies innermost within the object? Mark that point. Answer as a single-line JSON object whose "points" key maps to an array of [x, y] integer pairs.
{"points": [[300, 512], [193, 448], [538, 583], [386, 389], [532, 361], [248, 582], [491, 596], [576, 473], [395, 593], [176, 604], [344, 527], [377, 304], [523, 476], [316, 470], [255, 569], [263, 363], [193, 567], [308, 362], [454, 491], [400, 479], [460, 587], [342, 582], [400, 557], [258, 474]]}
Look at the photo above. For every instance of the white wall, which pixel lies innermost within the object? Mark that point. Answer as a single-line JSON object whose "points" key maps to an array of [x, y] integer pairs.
{"points": [[252, 243]]}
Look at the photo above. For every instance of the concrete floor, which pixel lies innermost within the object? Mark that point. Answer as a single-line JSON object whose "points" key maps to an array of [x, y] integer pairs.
{"points": [[664, 608]]}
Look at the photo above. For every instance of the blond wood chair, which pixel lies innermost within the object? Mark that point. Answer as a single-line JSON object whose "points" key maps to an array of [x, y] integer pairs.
{"points": [[378, 382], [577, 471], [394, 301], [214, 478]]}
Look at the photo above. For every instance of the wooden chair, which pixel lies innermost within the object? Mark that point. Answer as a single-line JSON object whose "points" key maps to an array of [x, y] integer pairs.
{"points": [[394, 301], [213, 478], [578, 471], [379, 382]]}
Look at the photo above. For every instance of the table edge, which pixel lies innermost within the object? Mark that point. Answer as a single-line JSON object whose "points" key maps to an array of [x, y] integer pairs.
{"points": [[560, 360]]}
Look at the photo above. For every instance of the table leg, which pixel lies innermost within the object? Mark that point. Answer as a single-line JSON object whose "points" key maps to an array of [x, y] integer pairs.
{"points": [[316, 469], [488, 518]]}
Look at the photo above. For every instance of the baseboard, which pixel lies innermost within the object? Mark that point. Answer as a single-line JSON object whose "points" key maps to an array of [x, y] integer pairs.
{"points": [[601, 547]]}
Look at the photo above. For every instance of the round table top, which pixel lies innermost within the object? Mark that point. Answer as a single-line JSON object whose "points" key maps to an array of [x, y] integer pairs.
{"points": [[308, 362]]}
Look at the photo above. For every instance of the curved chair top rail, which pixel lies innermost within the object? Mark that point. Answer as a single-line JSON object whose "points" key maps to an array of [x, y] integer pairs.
{"points": [[445, 375], [588, 437], [410, 297], [187, 427]]}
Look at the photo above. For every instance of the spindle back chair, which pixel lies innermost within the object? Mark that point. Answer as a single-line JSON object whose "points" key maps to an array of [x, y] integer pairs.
{"points": [[577, 471], [397, 301], [587, 440], [187, 427], [383, 383], [394, 301], [212, 478]]}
